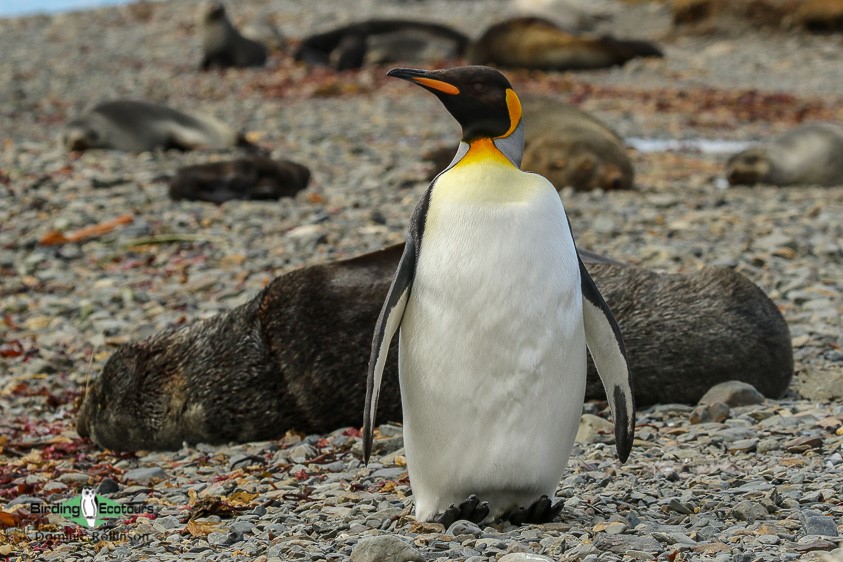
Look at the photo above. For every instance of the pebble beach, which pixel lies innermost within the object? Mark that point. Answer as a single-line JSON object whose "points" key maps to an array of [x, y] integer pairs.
{"points": [[765, 483]]}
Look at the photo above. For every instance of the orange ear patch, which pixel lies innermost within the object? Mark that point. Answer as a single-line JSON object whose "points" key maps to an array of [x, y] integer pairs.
{"points": [[437, 85], [513, 104]]}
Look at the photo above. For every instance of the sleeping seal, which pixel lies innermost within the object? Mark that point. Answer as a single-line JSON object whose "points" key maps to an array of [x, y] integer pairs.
{"points": [[810, 154], [538, 44], [254, 178], [382, 40], [294, 354], [136, 126], [573, 148]]}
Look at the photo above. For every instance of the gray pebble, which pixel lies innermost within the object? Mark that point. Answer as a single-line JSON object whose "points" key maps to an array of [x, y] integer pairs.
{"points": [[749, 511], [462, 527], [733, 394], [815, 523], [385, 548], [145, 475]]}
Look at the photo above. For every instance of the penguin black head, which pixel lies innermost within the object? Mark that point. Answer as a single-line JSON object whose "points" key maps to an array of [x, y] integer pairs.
{"points": [[480, 98]]}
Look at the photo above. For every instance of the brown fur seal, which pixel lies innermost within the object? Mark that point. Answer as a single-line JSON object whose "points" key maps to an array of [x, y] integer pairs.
{"points": [[572, 148], [567, 146], [136, 126], [295, 355], [222, 45], [382, 40], [736, 16], [251, 177], [539, 44], [810, 154]]}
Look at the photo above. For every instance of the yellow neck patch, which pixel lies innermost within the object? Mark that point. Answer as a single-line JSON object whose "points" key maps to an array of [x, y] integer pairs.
{"points": [[483, 151]]}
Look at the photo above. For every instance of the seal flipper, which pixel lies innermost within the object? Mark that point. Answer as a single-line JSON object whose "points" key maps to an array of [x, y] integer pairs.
{"points": [[388, 323], [605, 343]]}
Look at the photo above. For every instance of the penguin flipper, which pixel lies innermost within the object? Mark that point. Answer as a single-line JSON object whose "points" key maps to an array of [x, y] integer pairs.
{"points": [[388, 323], [604, 340]]}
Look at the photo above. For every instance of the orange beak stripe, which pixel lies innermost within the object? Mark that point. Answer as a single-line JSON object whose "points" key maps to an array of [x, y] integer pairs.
{"points": [[438, 85]]}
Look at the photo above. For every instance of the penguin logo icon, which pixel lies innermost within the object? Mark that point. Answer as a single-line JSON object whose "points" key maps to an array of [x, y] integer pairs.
{"points": [[90, 507]]}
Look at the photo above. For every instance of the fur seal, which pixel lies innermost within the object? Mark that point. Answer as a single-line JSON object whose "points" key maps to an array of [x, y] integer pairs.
{"points": [[382, 40], [136, 126], [566, 145], [294, 354], [811, 154], [222, 45], [251, 177], [538, 44], [573, 148], [736, 16]]}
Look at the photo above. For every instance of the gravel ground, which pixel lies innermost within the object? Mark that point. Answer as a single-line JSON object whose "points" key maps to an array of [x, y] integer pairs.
{"points": [[763, 484]]}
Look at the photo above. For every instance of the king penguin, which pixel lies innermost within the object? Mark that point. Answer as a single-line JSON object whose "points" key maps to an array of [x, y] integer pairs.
{"points": [[495, 311]]}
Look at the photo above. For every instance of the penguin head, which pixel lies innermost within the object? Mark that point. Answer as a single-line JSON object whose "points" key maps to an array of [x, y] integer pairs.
{"points": [[480, 98]]}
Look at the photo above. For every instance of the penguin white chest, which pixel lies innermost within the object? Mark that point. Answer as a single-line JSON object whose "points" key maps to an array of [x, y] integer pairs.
{"points": [[492, 354]]}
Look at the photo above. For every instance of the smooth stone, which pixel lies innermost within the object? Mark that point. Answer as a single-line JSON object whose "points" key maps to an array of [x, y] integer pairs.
{"points": [[733, 394], [820, 384], [54, 487], [385, 548], [145, 475], [767, 444], [462, 527], [743, 445], [525, 557], [388, 473], [620, 544], [167, 522], [24, 500], [594, 428]]}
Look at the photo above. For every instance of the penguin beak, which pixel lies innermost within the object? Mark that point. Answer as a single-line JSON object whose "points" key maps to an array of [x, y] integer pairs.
{"points": [[423, 79]]}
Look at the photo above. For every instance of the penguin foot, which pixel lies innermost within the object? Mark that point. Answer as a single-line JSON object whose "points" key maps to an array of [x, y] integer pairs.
{"points": [[540, 511], [471, 509]]}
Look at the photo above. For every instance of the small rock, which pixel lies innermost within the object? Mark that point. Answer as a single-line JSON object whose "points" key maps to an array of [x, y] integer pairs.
{"points": [[464, 528], [615, 528], [145, 475], [53, 487], [766, 445], [594, 429], [385, 548], [749, 511], [621, 544], [742, 445], [677, 506], [803, 444], [108, 486], [733, 394], [525, 557], [710, 413], [815, 523]]}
